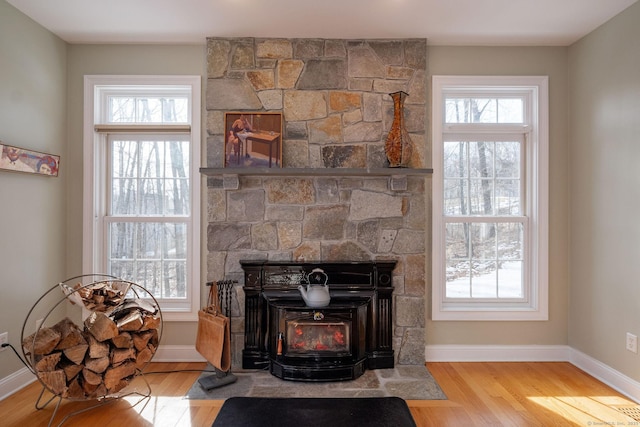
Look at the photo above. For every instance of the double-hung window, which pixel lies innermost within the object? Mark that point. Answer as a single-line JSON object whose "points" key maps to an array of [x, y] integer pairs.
{"points": [[141, 209], [490, 198]]}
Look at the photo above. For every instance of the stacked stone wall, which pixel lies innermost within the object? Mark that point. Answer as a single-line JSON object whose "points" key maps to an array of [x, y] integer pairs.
{"points": [[333, 95]]}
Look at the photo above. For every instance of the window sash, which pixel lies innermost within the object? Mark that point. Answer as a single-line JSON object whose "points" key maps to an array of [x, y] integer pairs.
{"points": [[151, 172], [494, 258], [134, 256], [137, 89], [467, 133], [148, 109], [494, 180], [493, 109], [135, 265]]}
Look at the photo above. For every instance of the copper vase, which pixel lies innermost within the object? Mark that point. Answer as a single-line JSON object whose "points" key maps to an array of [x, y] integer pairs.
{"points": [[398, 146]]}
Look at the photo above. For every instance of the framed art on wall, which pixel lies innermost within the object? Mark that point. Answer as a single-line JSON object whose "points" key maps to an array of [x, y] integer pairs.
{"points": [[253, 139], [18, 159]]}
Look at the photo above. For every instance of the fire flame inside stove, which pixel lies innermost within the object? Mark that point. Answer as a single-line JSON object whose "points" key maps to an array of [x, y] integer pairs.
{"points": [[317, 337]]}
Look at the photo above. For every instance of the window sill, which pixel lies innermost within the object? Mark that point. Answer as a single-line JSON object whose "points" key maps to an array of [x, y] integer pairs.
{"points": [[506, 314]]}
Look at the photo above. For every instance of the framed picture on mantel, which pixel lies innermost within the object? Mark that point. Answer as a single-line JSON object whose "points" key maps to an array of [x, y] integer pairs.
{"points": [[253, 140]]}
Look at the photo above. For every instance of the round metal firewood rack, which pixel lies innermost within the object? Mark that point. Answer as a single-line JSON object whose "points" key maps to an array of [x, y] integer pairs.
{"points": [[131, 297]]}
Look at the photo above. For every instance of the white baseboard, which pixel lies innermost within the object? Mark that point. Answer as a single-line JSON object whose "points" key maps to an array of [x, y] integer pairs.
{"points": [[497, 353], [535, 353], [177, 353], [16, 381], [607, 375]]}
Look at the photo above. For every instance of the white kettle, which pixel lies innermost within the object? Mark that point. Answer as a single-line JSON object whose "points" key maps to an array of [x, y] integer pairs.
{"points": [[316, 295]]}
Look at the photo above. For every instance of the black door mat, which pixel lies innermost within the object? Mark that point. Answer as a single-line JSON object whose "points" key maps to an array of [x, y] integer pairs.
{"points": [[314, 412]]}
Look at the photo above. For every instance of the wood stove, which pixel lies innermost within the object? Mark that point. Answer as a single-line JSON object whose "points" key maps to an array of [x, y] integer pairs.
{"points": [[333, 343]]}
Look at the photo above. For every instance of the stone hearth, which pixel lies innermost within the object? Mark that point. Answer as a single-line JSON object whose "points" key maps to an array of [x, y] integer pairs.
{"points": [[406, 382]]}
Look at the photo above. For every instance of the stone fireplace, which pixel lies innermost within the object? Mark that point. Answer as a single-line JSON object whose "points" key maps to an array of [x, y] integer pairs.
{"points": [[334, 96]]}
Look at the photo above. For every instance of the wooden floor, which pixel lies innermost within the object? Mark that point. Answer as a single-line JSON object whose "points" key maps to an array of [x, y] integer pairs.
{"points": [[479, 394]]}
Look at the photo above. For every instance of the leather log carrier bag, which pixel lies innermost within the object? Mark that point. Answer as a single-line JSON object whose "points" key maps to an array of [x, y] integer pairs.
{"points": [[213, 340]]}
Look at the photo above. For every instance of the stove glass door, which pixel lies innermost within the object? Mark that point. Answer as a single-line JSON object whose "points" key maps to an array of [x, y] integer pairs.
{"points": [[317, 336]]}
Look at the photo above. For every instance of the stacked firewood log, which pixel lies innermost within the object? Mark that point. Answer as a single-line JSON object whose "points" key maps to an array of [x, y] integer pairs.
{"points": [[114, 344]]}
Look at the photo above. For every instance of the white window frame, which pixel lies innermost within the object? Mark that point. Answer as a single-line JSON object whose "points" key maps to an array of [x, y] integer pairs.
{"points": [[535, 131], [95, 136]]}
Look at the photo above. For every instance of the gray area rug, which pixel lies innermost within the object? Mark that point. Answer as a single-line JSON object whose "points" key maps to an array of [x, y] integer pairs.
{"points": [[405, 382]]}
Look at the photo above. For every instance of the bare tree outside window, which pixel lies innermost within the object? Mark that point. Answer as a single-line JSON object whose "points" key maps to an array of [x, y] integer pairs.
{"points": [[481, 187], [150, 202]]}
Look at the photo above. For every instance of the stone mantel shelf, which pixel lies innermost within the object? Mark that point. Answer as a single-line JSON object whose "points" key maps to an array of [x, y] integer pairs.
{"points": [[315, 171]]}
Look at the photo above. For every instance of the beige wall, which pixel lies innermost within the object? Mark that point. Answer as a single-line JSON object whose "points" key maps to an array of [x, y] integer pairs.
{"points": [[604, 101], [32, 207], [551, 62]]}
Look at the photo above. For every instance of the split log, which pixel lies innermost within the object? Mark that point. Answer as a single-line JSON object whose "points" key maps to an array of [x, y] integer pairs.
{"points": [[73, 339], [76, 354], [71, 370], [45, 341], [150, 322], [100, 391], [75, 391], [140, 340], [119, 355], [132, 321], [48, 363], [89, 389], [97, 365], [97, 349], [55, 381], [70, 334], [101, 326], [114, 375], [143, 357], [123, 340], [155, 338], [91, 377]]}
